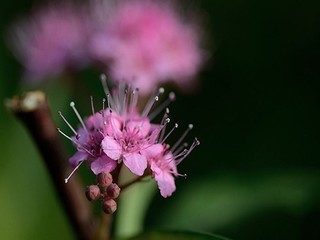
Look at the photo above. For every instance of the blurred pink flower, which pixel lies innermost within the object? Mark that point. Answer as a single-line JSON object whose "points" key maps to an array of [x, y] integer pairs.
{"points": [[146, 43], [52, 40]]}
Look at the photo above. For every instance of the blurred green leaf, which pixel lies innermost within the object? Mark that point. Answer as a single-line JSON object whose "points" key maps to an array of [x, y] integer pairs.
{"points": [[177, 235]]}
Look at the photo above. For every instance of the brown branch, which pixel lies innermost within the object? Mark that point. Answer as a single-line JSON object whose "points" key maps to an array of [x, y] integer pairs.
{"points": [[32, 109]]}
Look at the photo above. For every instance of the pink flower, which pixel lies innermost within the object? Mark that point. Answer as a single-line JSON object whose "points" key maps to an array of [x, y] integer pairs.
{"points": [[121, 133], [51, 41], [163, 168], [128, 146], [87, 140], [127, 133], [147, 43], [163, 162]]}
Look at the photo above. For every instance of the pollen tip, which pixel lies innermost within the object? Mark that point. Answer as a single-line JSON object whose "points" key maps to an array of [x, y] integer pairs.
{"points": [[66, 180], [72, 104], [167, 120], [156, 98], [172, 96], [103, 77], [176, 125], [167, 110], [161, 90], [190, 126]]}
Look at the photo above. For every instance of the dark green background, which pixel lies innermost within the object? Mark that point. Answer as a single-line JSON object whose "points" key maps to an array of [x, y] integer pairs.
{"points": [[256, 112]]}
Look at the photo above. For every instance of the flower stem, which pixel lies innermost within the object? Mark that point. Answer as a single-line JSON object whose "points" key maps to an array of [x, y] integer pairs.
{"points": [[138, 179], [32, 109]]}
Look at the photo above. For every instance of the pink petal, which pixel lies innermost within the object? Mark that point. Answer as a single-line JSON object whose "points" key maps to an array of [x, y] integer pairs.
{"points": [[103, 164], [153, 150], [165, 181], [78, 157], [114, 124], [136, 162], [139, 127], [111, 147]]}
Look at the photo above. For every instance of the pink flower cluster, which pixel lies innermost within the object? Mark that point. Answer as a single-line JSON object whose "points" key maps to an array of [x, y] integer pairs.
{"points": [[141, 42], [148, 43], [51, 42], [120, 135]]}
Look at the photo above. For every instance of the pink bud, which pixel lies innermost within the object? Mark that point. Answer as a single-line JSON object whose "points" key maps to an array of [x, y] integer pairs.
{"points": [[109, 206], [113, 191], [104, 179], [93, 192]]}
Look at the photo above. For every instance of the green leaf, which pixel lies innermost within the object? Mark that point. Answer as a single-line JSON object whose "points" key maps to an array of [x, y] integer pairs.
{"points": [[177, 235]]}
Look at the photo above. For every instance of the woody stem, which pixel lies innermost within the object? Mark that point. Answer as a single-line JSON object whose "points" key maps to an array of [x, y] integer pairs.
{"points": [[32, 109]]}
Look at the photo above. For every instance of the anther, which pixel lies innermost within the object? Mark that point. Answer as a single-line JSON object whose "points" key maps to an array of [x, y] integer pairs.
{"points": [[175, 126], [161, 90], [172, 96], [73, 171], [73, 106]]}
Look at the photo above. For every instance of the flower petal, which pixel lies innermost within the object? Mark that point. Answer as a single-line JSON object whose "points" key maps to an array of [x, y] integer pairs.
{"points": [[136, 162], [103, 164], [77, 158], [153, 150], [140, 128], [111, 147], [164, 179]]}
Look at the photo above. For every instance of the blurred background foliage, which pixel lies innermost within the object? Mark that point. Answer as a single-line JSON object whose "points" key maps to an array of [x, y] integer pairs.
{"points": [[255, 174]]}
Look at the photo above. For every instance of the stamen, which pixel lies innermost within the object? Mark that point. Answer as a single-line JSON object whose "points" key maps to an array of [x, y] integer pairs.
{"points": [[108, 101], [179, 149], [149, 105], [195, 143], [69, 125], [107, 92], [125, 99], [151, 102], [163, 127], [134, 98], [65, 135], [119, 103], [92, 105], [175, 127], [73, 171], [72, 105], [163, 105], [103, 111], [73, 141], [190, 126]]}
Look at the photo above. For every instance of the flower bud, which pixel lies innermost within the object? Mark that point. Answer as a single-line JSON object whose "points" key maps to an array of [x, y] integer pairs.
{"points": [[109, 206], [104, 179], [113, 191], [93, 192]]}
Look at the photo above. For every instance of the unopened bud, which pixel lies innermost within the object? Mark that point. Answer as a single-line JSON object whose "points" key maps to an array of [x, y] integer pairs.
{"points": [[104, 179], [109, 206], [113, 191], [93, 192]]}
